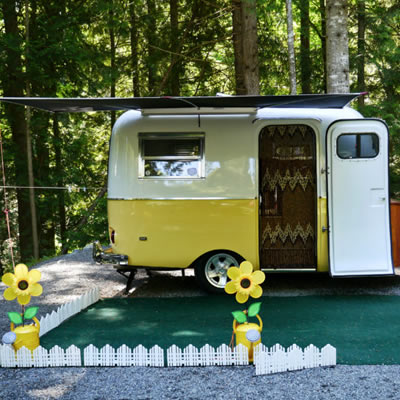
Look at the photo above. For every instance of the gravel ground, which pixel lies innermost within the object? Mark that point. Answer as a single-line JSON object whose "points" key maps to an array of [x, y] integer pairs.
{"points": [[341, 382], [65, 278]]}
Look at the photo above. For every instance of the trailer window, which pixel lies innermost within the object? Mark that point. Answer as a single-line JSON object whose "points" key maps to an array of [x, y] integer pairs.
{"points": [[364, 145], [167, 156]]}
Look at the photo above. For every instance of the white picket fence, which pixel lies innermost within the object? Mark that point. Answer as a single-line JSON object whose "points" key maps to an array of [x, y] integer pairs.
{"points": [[267, 361], [51, 321], [277, 359], [190, 356], [40, 357], [107, 356]]}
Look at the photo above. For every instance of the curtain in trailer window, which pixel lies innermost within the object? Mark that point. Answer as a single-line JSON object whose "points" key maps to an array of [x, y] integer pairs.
{"points": [[288, 194]]}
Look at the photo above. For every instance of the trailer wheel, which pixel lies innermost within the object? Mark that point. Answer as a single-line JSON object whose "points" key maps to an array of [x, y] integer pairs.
{"points": [[211, 270]]}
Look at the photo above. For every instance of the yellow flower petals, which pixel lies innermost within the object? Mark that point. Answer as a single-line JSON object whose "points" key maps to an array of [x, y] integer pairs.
{"points": [[258, 277], [24, 299], [241, 297], [230, 287], [8, 279], [244, 282], [34, 275], [246, 268], [234, 273], [36, 289], [21, 271], [22, 284], [256, 292], [9, 294]]}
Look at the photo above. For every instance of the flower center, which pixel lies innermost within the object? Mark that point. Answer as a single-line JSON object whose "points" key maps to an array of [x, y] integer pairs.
{"points": [[245, 283], [23, 285]]}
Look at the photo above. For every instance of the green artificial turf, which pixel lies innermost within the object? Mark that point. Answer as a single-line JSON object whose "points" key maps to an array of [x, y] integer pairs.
{"points": [[364, 329]]}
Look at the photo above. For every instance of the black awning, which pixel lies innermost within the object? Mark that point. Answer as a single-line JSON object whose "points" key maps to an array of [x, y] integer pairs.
{"points": [[53, 104]]}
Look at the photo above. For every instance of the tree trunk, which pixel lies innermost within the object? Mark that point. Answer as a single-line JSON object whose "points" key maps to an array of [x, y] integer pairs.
{"points": [[113, 72], [31, 180], [362, 23], [237, 46], [134, 51], [337, 51], [174, 40], [38, 69], [60, 181], [45, 204], [151, 37], [292, 56], [13, 86], [305, 58], [244, 19], [250, 47], [323, 42], [184, 38]]}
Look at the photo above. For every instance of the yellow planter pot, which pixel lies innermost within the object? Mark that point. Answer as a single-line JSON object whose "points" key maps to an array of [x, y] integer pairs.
{"points": [[240, 331], [27, 336]]}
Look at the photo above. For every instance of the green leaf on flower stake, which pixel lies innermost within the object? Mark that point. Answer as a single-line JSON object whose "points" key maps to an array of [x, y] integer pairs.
{"points": [[240, 316], [254, 309], [30, 312], [15, 317]]}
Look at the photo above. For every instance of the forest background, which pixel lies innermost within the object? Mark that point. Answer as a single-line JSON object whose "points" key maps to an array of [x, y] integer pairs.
{"points": [[125, 48]]}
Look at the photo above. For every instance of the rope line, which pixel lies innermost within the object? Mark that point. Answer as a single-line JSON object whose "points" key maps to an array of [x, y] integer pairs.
{"points": [[10, 245], [70, 188]]}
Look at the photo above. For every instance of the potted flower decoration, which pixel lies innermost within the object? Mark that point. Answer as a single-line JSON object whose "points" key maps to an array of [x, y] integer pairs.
{"points": [[22, 285], [244, 282]]}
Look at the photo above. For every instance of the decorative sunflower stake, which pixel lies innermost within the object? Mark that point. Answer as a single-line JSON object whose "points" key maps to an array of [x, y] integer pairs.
{"points": [[244, 282], [22, 285]]}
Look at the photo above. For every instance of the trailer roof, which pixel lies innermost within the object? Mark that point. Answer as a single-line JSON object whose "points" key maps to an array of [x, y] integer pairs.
{"points": [[54, 104]]}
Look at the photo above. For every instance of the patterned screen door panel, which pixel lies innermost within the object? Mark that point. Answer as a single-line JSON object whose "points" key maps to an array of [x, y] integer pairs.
{"points": [[288, 197]]}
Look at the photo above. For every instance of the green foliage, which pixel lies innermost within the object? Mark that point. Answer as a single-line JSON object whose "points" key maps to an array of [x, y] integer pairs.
{"points": [[15, 318], [30, 312], [254, 309], [239, 316]]}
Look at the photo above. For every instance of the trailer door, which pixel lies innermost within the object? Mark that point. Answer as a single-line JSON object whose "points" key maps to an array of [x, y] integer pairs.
{"points": [[358, 198]]}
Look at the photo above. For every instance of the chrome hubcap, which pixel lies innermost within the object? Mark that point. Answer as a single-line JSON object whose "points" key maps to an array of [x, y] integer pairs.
{"points": [[216, 269]]}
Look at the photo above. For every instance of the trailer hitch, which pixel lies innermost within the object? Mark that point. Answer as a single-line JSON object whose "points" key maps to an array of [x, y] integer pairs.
{"points": [[105, 256]]}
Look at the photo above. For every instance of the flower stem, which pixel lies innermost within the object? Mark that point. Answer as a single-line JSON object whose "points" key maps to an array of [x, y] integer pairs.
{"points": [[246, 310], [23, 313]]}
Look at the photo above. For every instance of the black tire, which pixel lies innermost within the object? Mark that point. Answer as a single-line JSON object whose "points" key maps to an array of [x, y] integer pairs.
{"points": [[211, 270]]}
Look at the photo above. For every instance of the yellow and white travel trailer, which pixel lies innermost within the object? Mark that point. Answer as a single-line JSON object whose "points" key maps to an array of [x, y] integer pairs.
{"points": [[290, 183]]}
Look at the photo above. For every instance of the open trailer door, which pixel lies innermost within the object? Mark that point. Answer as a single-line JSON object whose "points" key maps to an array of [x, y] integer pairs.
{"points": [[358, 198]]}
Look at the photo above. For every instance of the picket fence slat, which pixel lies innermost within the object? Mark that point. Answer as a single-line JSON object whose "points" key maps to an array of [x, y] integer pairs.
{"points": [[190, 356], [51, 321], [40, 357], [156, 356], [328, 356], [8, 357], [277, 359], [107, 356]]}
